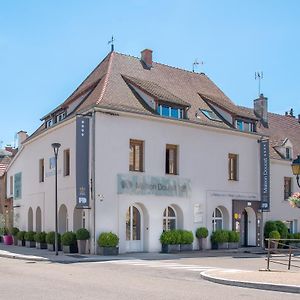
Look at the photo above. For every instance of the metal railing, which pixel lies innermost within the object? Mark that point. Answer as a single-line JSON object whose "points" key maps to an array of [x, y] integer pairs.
{"points": [[283, 252]]}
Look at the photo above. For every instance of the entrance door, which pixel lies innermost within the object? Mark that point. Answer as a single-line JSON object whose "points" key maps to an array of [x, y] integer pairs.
{"points": [[133, 230], [245, 229]]}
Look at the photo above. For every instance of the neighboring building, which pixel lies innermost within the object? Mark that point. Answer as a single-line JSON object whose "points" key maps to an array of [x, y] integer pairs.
{"points": [[156, 148], [6, 212]]}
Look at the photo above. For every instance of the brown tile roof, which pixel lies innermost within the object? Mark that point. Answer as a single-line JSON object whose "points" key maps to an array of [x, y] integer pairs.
{"points": [[280, 128]]}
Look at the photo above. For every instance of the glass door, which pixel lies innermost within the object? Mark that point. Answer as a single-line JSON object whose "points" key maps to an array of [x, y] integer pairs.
{"points": [[133, 230]]}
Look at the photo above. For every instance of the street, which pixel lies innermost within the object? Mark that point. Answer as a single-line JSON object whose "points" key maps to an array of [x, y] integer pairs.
{"points": [[126, 279]]}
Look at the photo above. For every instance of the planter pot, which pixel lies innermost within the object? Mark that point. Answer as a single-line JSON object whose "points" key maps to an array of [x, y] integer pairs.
{"points": [[202, 243], [82, 245], [233, 245], [30, 244], [41, 245], [108, 250], [15, 241], [170, 248], [70, 249], [21, 243], [8, 240], [186, 247], [216, 246], [51, 247]]}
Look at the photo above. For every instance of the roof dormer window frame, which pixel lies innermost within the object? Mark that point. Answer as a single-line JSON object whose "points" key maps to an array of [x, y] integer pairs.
{"points": [[170, 110]]}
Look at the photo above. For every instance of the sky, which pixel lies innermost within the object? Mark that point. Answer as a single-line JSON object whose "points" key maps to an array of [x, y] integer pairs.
{"points": [[47, 48]]}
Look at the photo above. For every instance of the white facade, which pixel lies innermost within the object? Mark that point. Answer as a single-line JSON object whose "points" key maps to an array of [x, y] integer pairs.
{"points": [[203, 160]]}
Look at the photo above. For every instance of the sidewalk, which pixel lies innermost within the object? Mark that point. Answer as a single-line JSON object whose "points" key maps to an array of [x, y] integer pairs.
{"points": [[276, 280]]}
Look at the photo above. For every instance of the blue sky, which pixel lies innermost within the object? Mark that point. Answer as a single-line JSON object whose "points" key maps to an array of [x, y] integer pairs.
{"points": [[48, 47]]}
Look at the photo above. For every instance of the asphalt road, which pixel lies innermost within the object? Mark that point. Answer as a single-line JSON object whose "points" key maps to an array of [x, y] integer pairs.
{"points": [[136, 279]]}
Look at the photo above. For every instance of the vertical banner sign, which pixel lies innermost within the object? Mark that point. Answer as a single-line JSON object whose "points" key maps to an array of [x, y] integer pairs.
{"points": [[82, 162], [265, 175]]}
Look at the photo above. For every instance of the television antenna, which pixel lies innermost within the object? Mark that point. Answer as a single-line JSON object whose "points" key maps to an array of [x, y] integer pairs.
{"points": [[112, 43], [196, 63], [259, 76]]}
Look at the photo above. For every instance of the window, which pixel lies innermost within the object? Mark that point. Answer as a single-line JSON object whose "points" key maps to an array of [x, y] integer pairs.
{"points": [[60, 117], [287, 187], [67, 162], [232, 166], [240, 125], [11, 185], [288, 153], [49, 123], [210, 115], [41, 170], [171, 159], [217, 219], [245, 126], [169, 219], [136, 155], [168, 111]]}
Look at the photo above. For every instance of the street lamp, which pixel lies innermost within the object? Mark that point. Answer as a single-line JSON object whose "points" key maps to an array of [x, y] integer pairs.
{"points": [[296, 168], [55, 147]]}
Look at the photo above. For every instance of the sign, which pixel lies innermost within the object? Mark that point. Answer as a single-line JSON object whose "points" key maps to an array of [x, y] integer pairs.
{"points": [[265, 175], [198, 213], [82, 162], [233, 195], [152, 185], [18, 186]]}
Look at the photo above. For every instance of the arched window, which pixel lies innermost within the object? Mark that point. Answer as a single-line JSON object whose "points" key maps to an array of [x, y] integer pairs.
{"points": [[169, 219], [217, 219]]}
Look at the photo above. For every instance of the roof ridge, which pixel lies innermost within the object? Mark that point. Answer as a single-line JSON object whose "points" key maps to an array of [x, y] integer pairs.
{"points": [[106, 78]]}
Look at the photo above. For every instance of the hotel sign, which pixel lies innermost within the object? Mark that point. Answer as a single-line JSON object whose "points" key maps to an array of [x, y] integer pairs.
{"points": [[265, 175], [152, 185]]}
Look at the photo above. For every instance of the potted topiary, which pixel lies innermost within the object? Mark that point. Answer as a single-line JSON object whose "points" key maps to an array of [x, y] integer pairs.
{"points": [[29, 239], [69, 242], [50, 240], [21, 239], [275, 235], [170, 241], [202, 234], [186, 240], [108, 242], [82, 235], [219, 239], [7, 238], [269, 226], [233, 239], [40, 238], [14, 231]]}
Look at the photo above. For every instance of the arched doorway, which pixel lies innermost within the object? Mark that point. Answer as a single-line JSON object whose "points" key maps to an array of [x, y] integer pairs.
{"points": [[30, 219], [134, 225], [38, 220], [248, 227], [62, 219]]}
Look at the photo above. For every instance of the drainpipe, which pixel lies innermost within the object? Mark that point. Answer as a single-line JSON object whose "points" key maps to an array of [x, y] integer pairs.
{"points": [[93, 175]]}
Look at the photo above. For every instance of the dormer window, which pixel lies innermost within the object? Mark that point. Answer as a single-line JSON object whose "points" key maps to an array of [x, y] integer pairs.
{"points": [[210, 115], [244, 125], [49, 123], [60, 116], [169, 111], [288, 153]]}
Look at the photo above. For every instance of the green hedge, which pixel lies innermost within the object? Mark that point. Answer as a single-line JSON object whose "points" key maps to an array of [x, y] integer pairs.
{"points": [[274, 235], [233, 237], [82, 234], [202, 232], [219, 236], [68, 238], [186, 237], [108, 239], [29, 236], [171, 237], [21, 235], [275, 226], [40, 237], [50, 238], [14, 231]]}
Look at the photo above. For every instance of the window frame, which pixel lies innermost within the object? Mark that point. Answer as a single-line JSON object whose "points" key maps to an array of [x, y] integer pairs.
{"points": [[41, 170], [287, 183], [67, 162], [167, 160], [233, 167], [215, 218], [167, 218], [132, 144]]}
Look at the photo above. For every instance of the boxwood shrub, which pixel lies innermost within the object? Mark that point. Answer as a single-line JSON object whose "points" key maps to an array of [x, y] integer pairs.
{"points": [[186, 237], [50, 238], [219, 236], [171, 237], [233, 237], [82, 234], [274, 235], [14, 231], [108, 239], [202, 233], [40, 237], [29, 236], [21, 235], [68, 238]]}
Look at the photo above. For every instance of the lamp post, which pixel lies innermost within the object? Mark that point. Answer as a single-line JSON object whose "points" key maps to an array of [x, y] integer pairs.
{"points": [[296, 169], [55, 147]]}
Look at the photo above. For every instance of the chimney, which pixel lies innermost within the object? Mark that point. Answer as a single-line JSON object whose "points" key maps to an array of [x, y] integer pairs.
{"points": [[22, 136], [261, 109], [146, 57]]}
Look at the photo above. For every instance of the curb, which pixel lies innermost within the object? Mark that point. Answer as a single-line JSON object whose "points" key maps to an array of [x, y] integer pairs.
{"points": [[24, 257], [251, 284]]}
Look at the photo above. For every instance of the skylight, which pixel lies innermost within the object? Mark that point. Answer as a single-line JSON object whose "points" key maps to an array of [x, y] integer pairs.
{"points": [[210, 115]]}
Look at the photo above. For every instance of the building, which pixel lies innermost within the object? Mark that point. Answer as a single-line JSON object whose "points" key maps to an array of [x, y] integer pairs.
{"points": [[145, 147]]}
